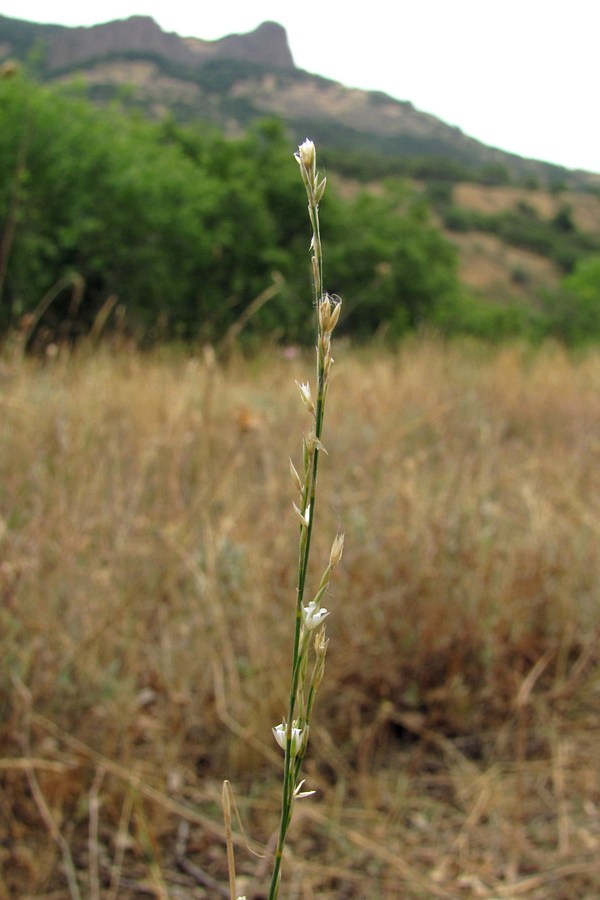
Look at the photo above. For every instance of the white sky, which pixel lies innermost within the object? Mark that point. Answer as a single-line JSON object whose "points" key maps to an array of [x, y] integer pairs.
{"points": [[522, 75]]}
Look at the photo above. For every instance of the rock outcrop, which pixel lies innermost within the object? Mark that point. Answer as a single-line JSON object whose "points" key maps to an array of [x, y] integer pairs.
{"points": [[68, 47]]}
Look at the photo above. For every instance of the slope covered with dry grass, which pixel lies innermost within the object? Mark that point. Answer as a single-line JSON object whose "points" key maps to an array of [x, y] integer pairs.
{"points": [[147, 561], [500, 271]]}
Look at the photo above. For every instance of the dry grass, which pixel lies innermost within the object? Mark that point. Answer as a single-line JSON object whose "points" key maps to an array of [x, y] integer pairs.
{"points": [[501, 272], [147, 565]]}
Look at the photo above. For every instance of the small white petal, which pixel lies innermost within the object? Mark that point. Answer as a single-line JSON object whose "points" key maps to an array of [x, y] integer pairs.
{"points": [[312, 616], [303, 516], [279, 733], [299, 793]]}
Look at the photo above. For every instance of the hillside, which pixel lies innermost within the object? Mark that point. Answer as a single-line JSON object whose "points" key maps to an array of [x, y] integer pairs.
{"points": [[500, 269], [240, 78]]}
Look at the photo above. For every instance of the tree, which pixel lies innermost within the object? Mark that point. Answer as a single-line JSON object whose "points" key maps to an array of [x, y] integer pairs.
{"points": [[393, 264]]}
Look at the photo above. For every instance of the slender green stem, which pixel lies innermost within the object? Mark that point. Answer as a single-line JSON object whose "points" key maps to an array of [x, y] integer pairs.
{"points": [[300, 705]]}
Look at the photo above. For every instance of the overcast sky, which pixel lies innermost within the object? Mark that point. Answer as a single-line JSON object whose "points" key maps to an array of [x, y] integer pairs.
{"points": [[522, 75]]}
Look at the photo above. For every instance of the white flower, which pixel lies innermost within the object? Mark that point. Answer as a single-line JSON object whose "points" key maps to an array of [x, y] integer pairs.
{"points": [[280, 735], [312, 616], [303, 516]]}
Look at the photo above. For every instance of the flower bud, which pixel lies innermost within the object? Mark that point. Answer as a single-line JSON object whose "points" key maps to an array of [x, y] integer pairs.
{"points": [[329, 312], [324, 312], [320, 190], [296, 478], [335, 315], [306, 156], [321, 643], [305, 393], [312, 443], [337, 548]]}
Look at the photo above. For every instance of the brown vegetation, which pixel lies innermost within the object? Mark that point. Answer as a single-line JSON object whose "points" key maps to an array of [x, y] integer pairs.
{"points": [[147, 563], [493, 199], [501, 273]]}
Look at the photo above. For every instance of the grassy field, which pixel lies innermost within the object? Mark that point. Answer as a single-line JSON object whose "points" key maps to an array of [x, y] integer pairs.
{"points": [[147, 566]]}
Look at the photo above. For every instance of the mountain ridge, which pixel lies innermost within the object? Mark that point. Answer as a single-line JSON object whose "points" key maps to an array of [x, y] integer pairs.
{"points": [[267, 44]]}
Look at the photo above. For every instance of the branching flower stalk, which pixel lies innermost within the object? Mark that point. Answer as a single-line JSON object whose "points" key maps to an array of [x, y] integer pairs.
{"points": [[292, 733]]}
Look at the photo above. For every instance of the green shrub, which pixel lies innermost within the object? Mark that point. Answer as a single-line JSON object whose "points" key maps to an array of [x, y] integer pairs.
{"points": [[572, 314], [466, 314]]}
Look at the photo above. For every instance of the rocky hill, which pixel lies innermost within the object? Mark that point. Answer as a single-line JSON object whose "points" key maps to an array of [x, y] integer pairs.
{"points": [[242, 77], [63, 48]]}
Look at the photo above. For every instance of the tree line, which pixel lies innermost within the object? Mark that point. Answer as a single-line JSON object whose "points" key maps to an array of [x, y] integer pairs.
{"points": [[188, 228], [187, 232]]}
